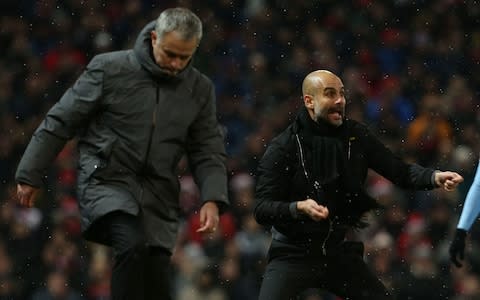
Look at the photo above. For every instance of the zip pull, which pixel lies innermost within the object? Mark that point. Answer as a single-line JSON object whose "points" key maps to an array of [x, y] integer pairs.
{"points": [[350, 139]]}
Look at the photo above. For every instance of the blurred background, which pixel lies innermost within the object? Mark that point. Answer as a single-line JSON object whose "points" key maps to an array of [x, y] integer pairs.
{"points": [[412, 73]]}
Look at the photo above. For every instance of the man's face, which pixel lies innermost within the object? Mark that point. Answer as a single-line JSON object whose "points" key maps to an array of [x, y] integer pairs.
{"points": [[171, 52], [329, 102]]}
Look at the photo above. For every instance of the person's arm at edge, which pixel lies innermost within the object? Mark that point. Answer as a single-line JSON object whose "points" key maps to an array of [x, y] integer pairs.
{"points": [[470, 211], [471, 207]]}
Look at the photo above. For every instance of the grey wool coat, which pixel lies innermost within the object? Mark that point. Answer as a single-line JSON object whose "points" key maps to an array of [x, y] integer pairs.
{"points": [[133, 124]]}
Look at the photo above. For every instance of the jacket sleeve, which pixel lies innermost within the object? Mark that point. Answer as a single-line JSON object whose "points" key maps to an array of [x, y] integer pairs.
{"points": [[206, 153], [405, 175], [272, 188], [61, 124], [471, 207]]}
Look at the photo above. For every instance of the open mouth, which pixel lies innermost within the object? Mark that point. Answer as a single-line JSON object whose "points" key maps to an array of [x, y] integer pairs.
{"points": [[337, 113]]}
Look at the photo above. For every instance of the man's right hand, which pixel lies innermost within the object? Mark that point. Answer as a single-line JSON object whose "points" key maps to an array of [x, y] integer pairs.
{"points": [[26, 194], [312, 209], [457, 248]]}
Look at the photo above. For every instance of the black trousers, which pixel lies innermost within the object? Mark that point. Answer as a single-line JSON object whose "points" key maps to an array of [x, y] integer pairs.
{"points": [[343, 272], [139, 271]]}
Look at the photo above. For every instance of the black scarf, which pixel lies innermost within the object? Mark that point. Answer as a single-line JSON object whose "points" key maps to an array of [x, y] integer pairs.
{"points": [[329, 172], [323, 152]]}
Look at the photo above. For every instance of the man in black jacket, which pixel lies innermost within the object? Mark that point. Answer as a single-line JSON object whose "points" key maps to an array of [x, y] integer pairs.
{"points": [[136, 113], [310, 189]]}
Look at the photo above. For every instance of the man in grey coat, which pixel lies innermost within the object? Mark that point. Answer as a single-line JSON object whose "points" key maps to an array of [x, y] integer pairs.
{"points": [[136, 113]]}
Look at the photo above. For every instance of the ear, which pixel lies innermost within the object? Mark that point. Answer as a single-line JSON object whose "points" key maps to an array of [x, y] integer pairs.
{"points": [[308, 100], [153, 37]]}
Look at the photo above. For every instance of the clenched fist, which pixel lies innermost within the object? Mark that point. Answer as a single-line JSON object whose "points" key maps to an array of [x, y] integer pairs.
{"points": [[311, 208]]}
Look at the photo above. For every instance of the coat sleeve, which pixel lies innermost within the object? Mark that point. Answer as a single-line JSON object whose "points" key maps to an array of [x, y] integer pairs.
{"points": [[383, 161], [206, 152], [272, 188], [471, 207], [61, 124]]}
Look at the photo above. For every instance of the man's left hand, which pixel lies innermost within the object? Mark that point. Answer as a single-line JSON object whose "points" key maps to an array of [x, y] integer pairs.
{"points": [[209, 217], [448, 180]]}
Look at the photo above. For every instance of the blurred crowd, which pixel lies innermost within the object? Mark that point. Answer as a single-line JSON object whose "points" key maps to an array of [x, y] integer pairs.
{"points": [[412, 73]]}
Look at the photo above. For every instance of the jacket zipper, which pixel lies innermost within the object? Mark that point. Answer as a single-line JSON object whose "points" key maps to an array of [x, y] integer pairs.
{"points": [[302, 159], [152, 126], [316, 186], [330, 229]]}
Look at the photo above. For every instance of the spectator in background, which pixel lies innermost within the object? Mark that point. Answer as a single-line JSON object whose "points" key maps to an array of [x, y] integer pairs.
{"points": [[10, 287], [204, 286], [390, 110], [136, 113], [381, 255], [469, 289], [423, 277], [57, 287], [429, 135]]}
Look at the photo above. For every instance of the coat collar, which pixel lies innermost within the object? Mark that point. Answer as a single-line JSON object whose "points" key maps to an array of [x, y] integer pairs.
{"points": [[143, 52]]}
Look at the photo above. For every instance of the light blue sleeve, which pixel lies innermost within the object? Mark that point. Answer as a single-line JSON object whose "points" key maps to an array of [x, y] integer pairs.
{"points": [[471, 207]]}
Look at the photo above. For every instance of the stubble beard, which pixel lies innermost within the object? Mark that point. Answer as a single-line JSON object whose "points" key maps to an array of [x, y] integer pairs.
{"points": [[324, 116]]}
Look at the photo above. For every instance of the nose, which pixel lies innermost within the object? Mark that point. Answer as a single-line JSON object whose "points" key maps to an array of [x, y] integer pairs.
{"points": [[176, 63], [340, 100]]}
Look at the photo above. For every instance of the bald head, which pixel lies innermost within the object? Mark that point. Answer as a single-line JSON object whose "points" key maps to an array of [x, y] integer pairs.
{"points": [[316, 80], [324, 97]]}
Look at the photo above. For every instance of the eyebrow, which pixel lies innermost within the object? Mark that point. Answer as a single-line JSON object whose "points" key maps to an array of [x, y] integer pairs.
{"points": [[328, 89]]}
